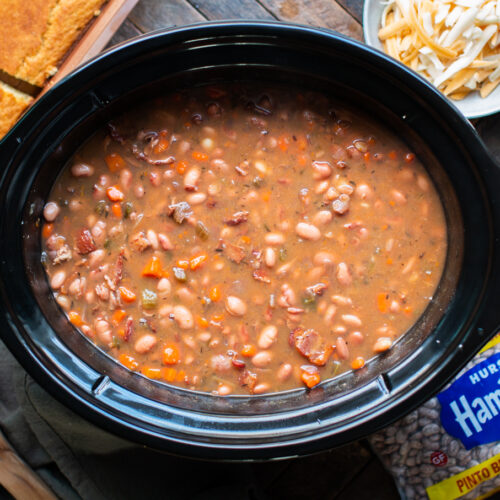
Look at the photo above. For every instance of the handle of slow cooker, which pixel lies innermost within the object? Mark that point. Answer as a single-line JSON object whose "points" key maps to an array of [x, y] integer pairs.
{"points": [[488, 323]]}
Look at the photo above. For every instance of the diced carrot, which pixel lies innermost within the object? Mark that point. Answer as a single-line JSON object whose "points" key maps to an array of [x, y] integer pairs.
{"points": [[385, 226], [301, 143], [161, 146], [183, 263], [118, 316], [153, 268], [367, 156], [358, 363], [197, 262], [202, 322], [171, 354], [181, 167], [47, 230], [170, 374], [408, 310], [115, 162], [283, 143], [150, 372], [409, 157], [389, 261], [129, 361], [266, 196], [180, 376], [75, 318], [218, 318], [121, 332], [392, 203], [127, 295], [248, 350], [310, 379], [199, 156], [302, 160], [116, 208], [246, 240], [114, 194], [215, 293], [382, 302], [393, 155]]}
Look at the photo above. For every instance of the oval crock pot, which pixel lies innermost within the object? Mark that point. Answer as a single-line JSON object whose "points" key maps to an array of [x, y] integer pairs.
{"points": [[460, 319]]}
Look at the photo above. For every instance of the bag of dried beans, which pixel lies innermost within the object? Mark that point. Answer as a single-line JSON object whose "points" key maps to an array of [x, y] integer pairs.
{"points": [[450, 447]]}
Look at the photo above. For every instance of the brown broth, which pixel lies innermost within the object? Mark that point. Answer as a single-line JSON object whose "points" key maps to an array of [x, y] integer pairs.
{"points": [[312, 239]]}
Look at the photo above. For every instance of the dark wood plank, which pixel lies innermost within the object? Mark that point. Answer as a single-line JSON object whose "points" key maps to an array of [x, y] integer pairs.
{"points": [[323, 13], [150, 15], [126, 31], [354, 8], [231, 9]]}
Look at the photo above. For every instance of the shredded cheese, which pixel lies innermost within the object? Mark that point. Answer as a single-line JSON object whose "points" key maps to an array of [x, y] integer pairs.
{"points": [[455, 44]]}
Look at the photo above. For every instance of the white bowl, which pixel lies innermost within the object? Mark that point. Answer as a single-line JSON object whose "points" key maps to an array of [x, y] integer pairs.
{"points": [[472, 106]]}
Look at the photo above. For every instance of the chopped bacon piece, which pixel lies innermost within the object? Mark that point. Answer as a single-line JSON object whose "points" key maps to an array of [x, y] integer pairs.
{"points": [[248, 379], [311, 345], [119, 268], [63, 254], [234, 252], [317, 289], [140, 242], [129, 328], [84, 242], [180, 211], [237, 218], [261, 276]]}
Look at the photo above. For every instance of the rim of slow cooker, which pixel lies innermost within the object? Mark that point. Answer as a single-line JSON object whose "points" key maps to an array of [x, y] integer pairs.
{"points": [[100, 385]]}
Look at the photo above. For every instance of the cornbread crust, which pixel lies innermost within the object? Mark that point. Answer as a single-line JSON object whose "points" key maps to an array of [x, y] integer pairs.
{"points": [[21, 30], [12, 105], [44, 48]]}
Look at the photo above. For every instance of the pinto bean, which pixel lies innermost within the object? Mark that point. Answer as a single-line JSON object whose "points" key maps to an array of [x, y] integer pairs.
{"points": [[364, 191], [99, 232], [64, 301], [219, 164], [321, 187], [165, 242], [82, 170], [284, 371], [382, 344], [331, 194], [153, 238], [164, 286], [269, 257], [342, 349], [323, 258], [398, 197], [191, 178], [103, 330], [184, 147], [341, 300], [321, 170], [351, 320], [58, 279], [262, 359], [423, 183], [139, 190], [345, 189], [126, 178], [267, 337], [355, 338], [50, 211], [322, 217], [196, 198], [96, 257], [183, 317], [343, 274], [77, 287], [308, 231], [235, 306], [330, 314], [274, 239], [145, 343], [224, 390], [261, 388], [221, 362], [207, 144]]}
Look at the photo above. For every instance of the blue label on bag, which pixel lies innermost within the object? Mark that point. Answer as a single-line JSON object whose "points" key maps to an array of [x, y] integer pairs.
{"points": [[470, 407]]}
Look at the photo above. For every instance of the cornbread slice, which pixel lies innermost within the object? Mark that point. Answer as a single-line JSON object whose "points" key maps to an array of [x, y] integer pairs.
{"points": [[35, 35], [12, 105]]}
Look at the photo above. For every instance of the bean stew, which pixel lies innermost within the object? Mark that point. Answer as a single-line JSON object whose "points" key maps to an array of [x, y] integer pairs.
{"points": [[243, 239]]}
